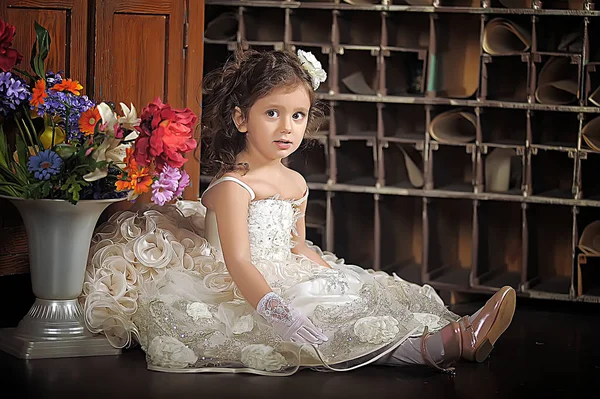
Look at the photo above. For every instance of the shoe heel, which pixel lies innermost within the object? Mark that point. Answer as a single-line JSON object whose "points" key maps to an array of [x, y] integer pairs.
{"points": [[483, 351]]}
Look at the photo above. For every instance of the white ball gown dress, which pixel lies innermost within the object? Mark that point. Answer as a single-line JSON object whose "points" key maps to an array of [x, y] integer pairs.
{"points": [[157, 278]]}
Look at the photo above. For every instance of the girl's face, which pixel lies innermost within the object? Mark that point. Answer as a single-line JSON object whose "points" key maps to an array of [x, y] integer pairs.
{"points": [[276, 123]]}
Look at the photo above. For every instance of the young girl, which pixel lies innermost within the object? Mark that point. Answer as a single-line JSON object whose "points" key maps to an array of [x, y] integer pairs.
{"points": [[230, 283]]}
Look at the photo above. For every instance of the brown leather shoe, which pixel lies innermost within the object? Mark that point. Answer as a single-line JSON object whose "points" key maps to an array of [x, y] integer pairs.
{"points": [[480, 335], [452, 342]]}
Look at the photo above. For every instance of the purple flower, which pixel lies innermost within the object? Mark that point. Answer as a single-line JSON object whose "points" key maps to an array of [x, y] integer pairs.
{"points": [[47, 163], [183, 183], [163, 189], [69, 107], [13, 92], [53, 78]]}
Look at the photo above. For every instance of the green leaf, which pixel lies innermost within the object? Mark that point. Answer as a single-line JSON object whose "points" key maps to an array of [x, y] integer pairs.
{"points": [[22, 152], [39, 54], [3, 149]]}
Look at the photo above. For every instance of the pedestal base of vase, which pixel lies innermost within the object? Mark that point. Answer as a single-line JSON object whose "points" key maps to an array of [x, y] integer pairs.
{"points": [[53, 329]]}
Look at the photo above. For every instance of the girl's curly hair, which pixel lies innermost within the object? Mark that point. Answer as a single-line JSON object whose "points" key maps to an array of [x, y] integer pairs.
{"points": [[246, 77]]}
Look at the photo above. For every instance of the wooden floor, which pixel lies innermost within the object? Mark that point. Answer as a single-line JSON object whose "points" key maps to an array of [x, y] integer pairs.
{"points": [[550, 351]]}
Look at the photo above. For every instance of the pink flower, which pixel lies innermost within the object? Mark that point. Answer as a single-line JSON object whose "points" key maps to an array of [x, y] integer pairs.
{"points": [[164, 188], [183, 183]]}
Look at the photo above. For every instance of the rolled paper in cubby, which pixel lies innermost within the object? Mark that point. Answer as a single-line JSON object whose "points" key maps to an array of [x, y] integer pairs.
{"points": [[497, 169], [223, 27], [589, 242], [415, 176], [502, 36], [517, 3], [594, 97], [557, 82], [571, 43], [454, 127], [356, 84], [591, 133]]}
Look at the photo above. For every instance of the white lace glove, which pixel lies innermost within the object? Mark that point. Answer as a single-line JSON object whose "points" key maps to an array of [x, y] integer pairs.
{"points": [[288, 322]]}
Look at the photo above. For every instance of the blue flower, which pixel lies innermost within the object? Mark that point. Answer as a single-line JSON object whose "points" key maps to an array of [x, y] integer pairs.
{"points": [[13, 92], [47, 163]]}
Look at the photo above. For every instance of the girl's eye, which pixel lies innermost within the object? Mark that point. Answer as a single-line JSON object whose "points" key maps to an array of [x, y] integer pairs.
{"points": [[298, 115], [272, 113]]}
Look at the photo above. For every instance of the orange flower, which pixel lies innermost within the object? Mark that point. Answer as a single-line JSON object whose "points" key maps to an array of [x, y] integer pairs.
{"points": [[69, 85], [139, 180], [88, 121], [39, 93], [123, 185]]}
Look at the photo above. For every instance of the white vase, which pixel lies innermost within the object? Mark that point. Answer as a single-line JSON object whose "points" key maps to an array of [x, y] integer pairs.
{"points": [[59, 235]]}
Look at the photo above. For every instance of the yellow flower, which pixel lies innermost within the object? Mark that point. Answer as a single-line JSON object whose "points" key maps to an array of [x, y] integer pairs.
{"points": [[46, 136]]}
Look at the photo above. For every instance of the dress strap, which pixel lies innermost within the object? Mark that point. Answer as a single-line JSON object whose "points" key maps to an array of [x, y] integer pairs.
{"points": [[233, 179]]}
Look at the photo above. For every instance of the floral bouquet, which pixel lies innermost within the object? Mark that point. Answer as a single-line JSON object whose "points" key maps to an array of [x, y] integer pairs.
{"points": [[68, 147]]}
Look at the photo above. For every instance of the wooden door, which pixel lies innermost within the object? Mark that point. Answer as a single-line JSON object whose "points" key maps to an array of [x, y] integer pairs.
{"points": [[151, 48]]}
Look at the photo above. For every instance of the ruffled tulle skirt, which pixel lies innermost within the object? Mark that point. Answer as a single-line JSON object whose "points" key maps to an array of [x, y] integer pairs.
{"points": [[153, 279]]}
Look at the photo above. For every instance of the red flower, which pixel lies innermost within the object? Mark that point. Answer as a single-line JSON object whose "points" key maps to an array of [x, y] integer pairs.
{"points": [[166, 134], [9, 57]]}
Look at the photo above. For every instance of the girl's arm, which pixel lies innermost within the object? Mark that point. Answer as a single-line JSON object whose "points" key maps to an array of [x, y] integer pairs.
{"points": [[230, 203], [301, 248]]}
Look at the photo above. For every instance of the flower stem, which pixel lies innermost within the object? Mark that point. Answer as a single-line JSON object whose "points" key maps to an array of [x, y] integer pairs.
{"points": [[35, 135], [31, 143]]}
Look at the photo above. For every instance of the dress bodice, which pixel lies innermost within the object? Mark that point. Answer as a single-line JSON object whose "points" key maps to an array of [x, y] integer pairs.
{"points": [[271, 225]]}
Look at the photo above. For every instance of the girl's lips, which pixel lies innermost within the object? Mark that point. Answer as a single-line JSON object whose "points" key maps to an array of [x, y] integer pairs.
{"points": [[283, 145]]}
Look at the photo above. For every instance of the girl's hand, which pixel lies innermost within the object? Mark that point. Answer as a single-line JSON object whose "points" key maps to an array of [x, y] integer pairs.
{"points": [[288, 322]]}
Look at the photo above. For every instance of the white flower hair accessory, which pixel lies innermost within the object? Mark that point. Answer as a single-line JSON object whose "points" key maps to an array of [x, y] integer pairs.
{"points": [[313, 67]]}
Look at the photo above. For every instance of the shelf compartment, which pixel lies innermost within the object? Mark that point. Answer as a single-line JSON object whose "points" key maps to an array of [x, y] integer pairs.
{"points": [[554, 129], [502, 170], [557, 79], [505, 35], [588, 276], [311, 160], [452, 167], [322, 55], [558, 34], [549, 248], [354, 237], [358, 72], [359, 28], [552, 173], [311, 27], [589, 179], [455, 62], [498, 84], [222, 23], [219, 53], [592, 84], [500, 244], [449, 245], [407, 31], [316, 218], [503, 126], [588, 262], [402, 165], [405, 122], [355, 119], [355, 162], [593, 41], [401, 236], [263, 24], [404, 73]]}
